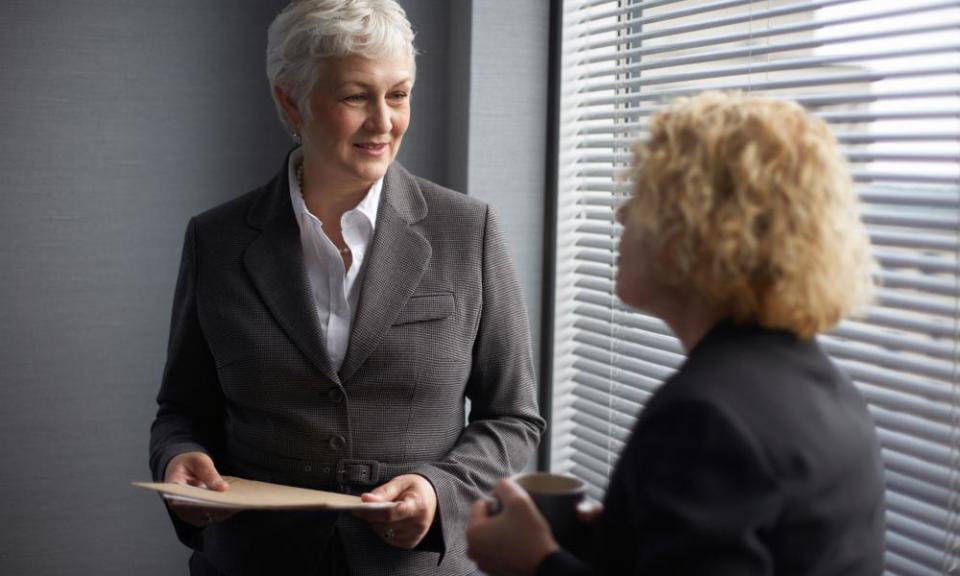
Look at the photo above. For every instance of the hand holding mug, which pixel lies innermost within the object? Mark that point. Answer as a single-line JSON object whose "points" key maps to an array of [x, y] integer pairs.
{"points": [[513, 540]]}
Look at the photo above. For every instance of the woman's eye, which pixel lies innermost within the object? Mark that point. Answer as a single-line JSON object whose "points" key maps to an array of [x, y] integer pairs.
{"points": [[398, 95], [356, 98]]}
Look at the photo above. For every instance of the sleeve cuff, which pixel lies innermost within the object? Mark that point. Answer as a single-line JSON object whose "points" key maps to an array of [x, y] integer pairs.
{"points": [[436, 538]]}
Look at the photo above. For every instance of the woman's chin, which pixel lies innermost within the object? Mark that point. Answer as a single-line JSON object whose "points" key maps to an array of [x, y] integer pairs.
{"points": [[371, 171], [635, 299], [625, 295]]}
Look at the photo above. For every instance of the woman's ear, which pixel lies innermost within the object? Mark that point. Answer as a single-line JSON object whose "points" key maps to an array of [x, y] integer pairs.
{"points": [[289, 107]]}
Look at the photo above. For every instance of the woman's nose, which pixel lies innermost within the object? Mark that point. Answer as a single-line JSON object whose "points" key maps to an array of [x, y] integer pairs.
{"points": [[378, 120]]}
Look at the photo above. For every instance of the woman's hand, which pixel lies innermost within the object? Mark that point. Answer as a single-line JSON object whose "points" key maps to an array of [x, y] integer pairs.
{"points": [[515, 540], [405, 524], [196, 469]]}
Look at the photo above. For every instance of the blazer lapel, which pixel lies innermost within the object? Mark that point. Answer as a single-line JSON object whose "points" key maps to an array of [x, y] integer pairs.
{"points": [[398, 258], [274, 261]]}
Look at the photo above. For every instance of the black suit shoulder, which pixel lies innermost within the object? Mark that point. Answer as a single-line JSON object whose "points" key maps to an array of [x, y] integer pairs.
{"points": [[758, 457], [785, 393], [746, 364]]}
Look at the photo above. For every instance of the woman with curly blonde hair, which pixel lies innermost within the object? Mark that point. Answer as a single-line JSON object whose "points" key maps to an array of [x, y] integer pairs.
{"points": [[758, 457]]}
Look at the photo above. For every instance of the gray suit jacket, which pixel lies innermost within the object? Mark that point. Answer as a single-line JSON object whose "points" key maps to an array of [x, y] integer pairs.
{"points": [[440, 319]]}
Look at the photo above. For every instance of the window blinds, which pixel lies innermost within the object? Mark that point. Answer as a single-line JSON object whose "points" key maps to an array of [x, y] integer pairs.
{"points": [[886, 75]]}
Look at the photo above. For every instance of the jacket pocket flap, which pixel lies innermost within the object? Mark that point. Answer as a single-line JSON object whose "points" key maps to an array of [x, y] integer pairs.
{"points": [[424, 307]]}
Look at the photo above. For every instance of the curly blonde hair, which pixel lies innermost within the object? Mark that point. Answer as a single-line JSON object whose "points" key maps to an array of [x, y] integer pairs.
{"points": [[747, 201]]}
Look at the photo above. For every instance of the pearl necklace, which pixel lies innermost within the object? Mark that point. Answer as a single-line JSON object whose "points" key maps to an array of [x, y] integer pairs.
{"points": [[346, 249]]}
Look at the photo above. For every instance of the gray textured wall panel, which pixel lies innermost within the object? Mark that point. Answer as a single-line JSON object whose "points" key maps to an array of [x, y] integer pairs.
{"points": [[436, 142], [117, 121], [508, 125]]}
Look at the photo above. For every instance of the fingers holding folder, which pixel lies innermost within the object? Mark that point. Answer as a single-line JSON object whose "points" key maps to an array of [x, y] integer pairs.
{"points": [[196, 469]]}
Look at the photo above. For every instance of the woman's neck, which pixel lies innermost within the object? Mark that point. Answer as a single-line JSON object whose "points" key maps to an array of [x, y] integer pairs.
{"points": [[329, 197], [690, 319]]}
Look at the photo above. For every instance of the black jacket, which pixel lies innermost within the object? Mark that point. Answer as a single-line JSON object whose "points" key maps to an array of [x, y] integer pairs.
{"points": [[758, 457]]}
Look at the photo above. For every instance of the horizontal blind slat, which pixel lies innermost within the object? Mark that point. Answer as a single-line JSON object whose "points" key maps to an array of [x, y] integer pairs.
{"points": [[811, 101], [902, 401], [919, 552], [770, 31], [630, 119], [602, 240], [707, 24], [588, 462], [601, 440], [885, 298], [593, 374], [930, 220], [866, 77], [640, 337], [916, 489], [629, 16], [916, 509], [583, 5], [873, 359], [622, 407], [591, 143], [648, 368], [895, 341], [753, 50], [751, 68], [602, 425], [897, 565], [937, 455], [916, 426], [617, 424], [945, 197]]}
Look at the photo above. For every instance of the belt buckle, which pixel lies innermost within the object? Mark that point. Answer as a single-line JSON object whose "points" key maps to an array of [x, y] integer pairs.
{"points": [[361, 472]]}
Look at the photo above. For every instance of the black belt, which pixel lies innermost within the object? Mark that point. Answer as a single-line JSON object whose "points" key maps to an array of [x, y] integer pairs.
{"points": [[346, 473]]}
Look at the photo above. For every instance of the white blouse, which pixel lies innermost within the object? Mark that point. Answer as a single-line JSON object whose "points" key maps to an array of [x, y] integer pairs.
{"points": [[335, 291]]}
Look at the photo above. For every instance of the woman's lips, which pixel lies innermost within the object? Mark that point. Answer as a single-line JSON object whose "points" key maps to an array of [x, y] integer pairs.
{"points": [[371, 148]]}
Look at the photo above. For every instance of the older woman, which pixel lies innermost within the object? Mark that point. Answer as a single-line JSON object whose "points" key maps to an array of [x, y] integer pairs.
{"points": [[758, 457], [328, 327]]}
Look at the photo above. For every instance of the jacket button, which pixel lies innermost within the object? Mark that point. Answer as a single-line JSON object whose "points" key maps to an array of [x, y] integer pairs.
{"points": [[337, 442], [335, 395]]}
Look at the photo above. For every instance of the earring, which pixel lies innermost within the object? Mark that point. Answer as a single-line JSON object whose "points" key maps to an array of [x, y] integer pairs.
{"points": [[295, 135]]}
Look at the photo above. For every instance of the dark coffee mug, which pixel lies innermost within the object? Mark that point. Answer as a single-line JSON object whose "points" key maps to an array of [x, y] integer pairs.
{"points": [[557, 497]]}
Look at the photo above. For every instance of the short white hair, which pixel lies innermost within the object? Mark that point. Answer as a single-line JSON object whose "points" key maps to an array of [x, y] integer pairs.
{"points": [[308, 31]]}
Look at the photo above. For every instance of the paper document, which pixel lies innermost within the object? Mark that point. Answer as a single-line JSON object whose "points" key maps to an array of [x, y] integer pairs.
{"points": [[252, 495]]}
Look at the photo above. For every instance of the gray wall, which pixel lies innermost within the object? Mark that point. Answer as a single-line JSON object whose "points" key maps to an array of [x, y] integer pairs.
{"points": [[435, 145], [118, 121], [509, 59]]}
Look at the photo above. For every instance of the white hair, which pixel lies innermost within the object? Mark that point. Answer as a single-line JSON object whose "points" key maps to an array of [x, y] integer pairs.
{"points": [[308, 31]]}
